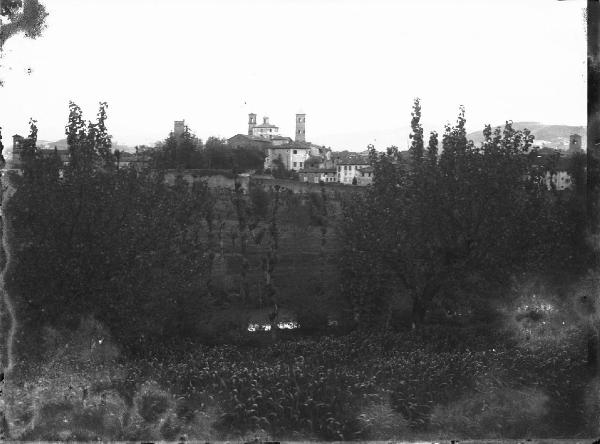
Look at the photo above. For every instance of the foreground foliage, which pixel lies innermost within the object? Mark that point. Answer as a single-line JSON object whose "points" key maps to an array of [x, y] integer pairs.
{"points": [[334, 387]]}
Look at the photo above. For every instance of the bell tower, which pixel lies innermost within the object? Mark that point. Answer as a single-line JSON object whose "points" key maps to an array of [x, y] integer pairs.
{"points": [[300, 128], [251, 123]]}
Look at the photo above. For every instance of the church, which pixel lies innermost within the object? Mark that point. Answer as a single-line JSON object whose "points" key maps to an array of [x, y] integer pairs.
{"points": [[292, 153]]}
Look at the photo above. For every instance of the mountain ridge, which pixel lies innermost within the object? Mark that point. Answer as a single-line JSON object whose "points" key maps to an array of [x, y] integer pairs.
{"points": [[552, 136]]}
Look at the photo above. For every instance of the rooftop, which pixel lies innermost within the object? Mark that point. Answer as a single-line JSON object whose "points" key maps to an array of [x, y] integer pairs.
{"points": [[318, 170], [251, 138], [294, 145], [352, 161]]}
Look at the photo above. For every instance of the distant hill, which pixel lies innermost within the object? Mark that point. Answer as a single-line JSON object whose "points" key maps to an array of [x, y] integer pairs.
{"points": [[359, 140], [552, 136]]}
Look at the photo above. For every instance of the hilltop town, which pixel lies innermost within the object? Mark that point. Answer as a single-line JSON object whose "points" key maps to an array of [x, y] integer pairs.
{"points": [[300, 165]]}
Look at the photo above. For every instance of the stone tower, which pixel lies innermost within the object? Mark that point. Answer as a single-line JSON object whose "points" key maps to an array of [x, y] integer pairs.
{"points": [[17, 149], [251, 123], [575, 143], [300, 128], [178, 128]]}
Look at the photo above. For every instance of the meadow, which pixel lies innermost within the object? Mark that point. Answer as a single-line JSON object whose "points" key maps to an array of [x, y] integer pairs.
{"points": [[340, 386]]}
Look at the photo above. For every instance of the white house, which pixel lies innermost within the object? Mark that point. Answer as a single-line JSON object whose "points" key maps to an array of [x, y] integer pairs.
{"points": [[349, 169]]}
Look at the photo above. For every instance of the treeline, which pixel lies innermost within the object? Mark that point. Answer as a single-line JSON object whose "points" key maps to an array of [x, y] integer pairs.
{"points": [[95, 240], [441, 244], [92, 239], [446, 235], [189, 152], [440, 237]]}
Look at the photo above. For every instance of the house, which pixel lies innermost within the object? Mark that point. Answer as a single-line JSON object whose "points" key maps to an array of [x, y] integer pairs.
{"points": [[556, 165], [292, 155], [318, 175], [137, 161], [348, 169]]}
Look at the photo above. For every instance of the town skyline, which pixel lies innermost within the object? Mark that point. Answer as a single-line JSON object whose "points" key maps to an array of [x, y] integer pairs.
{"points": [[363, 94]]}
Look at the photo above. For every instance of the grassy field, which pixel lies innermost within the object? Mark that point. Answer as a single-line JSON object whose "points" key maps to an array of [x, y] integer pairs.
{"points": [[398, 386]]}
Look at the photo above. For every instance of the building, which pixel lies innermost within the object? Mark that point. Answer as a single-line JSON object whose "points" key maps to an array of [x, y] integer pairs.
{"points": [[245, 141], [318, 175], [349, 168], [300, 128], [556, 164], [292, 155], [178, 128], [281, 140], [265, 129], [575, 144], [136, 161]]}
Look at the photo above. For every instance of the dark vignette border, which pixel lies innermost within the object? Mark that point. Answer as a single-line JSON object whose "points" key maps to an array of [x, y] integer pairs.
{"points": [[593, 124]]}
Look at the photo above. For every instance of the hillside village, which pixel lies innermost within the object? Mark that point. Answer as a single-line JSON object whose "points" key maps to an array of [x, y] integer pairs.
{"points": [[308, 163]]}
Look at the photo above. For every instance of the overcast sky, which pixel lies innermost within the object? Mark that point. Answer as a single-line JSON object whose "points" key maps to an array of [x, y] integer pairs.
{"points": [[353, 67]]}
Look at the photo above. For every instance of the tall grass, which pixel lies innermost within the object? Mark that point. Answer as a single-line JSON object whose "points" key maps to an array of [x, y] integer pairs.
{"points": [[399, 386]]}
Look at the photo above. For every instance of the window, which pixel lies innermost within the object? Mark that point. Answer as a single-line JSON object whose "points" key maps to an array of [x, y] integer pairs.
{"points": [[301, 164], [294, 164], [295, 151], [345, 167]]}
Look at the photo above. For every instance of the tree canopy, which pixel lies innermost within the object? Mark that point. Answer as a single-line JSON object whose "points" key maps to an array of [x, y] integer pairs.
{"points": [[441, 231], [21, 16], [94, 240]]}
